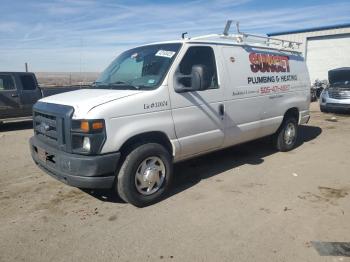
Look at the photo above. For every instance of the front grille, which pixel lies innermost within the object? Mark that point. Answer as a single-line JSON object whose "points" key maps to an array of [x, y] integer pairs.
{"points": [[337, 94], [46, 127], [52, 124]]}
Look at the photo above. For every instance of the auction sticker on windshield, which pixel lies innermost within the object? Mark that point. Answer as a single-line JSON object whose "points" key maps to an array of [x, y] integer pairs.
{"points": [[164, 53]]}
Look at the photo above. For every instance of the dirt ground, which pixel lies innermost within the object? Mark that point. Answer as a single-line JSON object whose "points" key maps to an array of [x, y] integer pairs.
{"points": [[246, 203]]}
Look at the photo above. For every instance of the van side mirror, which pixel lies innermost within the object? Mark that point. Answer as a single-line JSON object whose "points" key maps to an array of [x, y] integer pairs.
{"points": [[199, 80]]}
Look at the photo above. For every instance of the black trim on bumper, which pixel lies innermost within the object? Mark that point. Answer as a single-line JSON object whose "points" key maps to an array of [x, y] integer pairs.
{"points": [[76, 170], [336, 107]]}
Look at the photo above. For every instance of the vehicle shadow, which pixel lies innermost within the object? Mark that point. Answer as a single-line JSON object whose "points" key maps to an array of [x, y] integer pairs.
{"points": [[16, 126], [188, 173], [307, 133], [105, 195]]}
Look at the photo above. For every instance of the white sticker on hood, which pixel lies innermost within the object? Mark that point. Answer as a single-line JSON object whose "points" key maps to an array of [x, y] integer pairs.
{"points": [[164, 53]]}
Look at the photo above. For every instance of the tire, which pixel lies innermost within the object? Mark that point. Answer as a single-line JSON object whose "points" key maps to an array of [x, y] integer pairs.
{"points": [[282, 142], [323, 109], [150, 161]]}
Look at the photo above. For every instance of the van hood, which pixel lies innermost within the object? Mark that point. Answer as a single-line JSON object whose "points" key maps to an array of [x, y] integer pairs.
{"points": [[84, 100]]}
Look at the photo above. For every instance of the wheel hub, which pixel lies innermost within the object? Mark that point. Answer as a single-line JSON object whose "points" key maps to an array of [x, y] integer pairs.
{"points": [[150, 175], [289, 134]]}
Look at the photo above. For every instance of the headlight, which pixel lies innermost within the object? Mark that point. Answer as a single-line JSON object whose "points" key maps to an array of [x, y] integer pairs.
{"points": [[86, 144], [88, 136], [324, 93], [323, 96]]}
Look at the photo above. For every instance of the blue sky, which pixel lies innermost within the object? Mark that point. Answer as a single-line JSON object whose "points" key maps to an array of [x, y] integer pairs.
{"points": [[74, 35]]}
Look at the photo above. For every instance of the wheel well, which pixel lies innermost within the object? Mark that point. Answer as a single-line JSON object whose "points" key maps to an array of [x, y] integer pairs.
{"points": [[148, 137], [292, 112]]}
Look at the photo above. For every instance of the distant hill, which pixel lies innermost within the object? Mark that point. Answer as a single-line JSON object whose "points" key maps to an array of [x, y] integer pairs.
{"points": [[66, 78]]}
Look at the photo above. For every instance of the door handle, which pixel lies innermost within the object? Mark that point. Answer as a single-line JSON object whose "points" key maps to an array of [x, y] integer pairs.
{"points": [[221, 110], [14, 95]]}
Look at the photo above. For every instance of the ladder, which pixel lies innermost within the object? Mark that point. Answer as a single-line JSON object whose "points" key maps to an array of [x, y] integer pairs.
{"points": [[241, 37]]}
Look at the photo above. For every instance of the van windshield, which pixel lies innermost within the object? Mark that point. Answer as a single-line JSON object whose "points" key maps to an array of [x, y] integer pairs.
{"points": [[139, 68]]}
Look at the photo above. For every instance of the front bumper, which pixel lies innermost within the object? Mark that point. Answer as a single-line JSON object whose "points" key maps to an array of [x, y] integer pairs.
{"points": [[73, 169], [336, 107], [332, 104]]}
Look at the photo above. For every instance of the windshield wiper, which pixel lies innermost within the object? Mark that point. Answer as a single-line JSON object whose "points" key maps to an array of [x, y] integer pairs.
{"points": [[119, 85], [126, 84]]}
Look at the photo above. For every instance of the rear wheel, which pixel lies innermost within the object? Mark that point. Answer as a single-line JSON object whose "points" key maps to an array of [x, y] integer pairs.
{"points": [[145, 175], [286, 136]]}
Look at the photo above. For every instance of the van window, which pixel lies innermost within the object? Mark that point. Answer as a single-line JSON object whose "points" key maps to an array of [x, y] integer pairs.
{"points": [[199, 55], [28, 82], [6, 83]]}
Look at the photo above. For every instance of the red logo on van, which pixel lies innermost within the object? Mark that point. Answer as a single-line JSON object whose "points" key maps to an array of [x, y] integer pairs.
{"points": [[268, 63]]}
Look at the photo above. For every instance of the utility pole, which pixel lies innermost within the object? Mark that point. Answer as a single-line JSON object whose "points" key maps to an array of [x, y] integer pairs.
{"points": [[81, 55]]}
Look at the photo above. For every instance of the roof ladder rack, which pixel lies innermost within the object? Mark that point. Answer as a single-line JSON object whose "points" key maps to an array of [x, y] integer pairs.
{"points": [[241, 37]]}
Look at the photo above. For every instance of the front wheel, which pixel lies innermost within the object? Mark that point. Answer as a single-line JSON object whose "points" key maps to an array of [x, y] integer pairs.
{"points": [[145, 175], [286, 136]]}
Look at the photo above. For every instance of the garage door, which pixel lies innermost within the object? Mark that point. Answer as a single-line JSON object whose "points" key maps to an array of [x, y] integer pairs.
{"points": [[325, 53]]}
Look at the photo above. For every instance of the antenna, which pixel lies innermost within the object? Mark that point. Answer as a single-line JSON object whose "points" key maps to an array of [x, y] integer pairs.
{"points": [[183, 35]]}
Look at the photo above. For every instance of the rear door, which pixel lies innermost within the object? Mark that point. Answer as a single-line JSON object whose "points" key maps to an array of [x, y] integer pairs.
{"points": [[9, 97], [30, 93]]}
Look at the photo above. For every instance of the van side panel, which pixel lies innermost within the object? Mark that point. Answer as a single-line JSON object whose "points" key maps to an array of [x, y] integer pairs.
{"points": [[243, 104], [261, 85], [293, 91]]}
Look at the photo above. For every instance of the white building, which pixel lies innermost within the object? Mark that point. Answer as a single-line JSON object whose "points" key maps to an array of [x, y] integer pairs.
{"points": [[324, 48]]}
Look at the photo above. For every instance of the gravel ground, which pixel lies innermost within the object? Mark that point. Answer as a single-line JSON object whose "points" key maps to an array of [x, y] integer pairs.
{"points": [[246, 203]]}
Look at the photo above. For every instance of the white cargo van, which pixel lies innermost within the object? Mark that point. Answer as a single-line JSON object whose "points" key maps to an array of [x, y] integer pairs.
{"points": [[165, 102]]}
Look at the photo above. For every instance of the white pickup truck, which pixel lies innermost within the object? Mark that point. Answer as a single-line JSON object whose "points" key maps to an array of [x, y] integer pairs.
{"points": [[166, 102]]}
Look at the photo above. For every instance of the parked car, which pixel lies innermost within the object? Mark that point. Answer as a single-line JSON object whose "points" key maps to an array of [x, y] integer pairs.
{"points": [[166, 102], [19, 91], [337, 96]]}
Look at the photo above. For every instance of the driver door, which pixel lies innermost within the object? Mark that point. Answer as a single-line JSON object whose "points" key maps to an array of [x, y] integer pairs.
{"points": [[198, 115]]}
